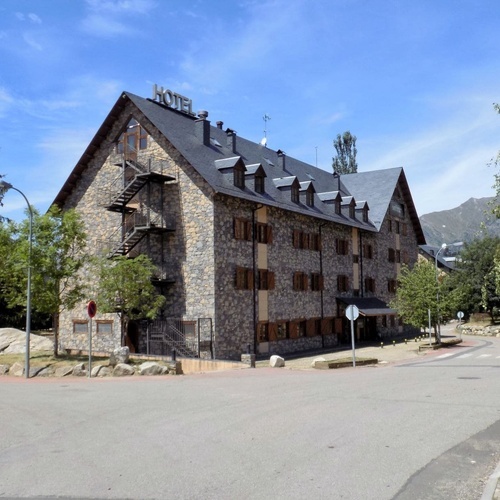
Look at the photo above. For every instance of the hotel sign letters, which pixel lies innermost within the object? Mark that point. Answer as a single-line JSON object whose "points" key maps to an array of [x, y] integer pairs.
{"points": [[173, 100]]}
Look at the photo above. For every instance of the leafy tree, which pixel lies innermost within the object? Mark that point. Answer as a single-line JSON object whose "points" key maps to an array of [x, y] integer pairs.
{"points": [[473, 281], [496, 186], [57, 254], [125, 288], [417, 293], [345, 161]]}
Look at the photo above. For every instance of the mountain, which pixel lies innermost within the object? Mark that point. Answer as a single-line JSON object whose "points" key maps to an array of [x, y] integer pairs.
{"points": [[463, 223]]}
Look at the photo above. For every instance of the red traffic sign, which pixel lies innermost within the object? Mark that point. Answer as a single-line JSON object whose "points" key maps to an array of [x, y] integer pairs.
{"points": [[91, 309]]}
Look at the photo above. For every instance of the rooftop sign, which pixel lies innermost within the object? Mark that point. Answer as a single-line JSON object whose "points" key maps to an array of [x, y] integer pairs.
{"points": [[173, 100]]}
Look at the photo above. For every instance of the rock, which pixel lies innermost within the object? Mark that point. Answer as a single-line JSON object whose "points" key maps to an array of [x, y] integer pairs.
{"points": [[105, 371], [4, 369], [45, 372], [150, 368], [35, 370], [63, 371], [13, 341], [119, 355], [79, 370], [175, 368], [123, 370], [317, 360], [276, 361], [17, 369]]}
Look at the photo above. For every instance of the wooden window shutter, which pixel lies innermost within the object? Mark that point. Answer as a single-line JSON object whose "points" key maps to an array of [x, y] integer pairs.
{"points": [[294, 329], [326, 326], [305, 281], [296, 238], [321, 282], [338, 325], [269, 234], [273, 331], [270, 280], [250, 279], [310, 327]]}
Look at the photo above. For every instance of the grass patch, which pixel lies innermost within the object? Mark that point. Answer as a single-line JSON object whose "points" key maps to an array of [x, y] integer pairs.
{"points": [[41, 358]]}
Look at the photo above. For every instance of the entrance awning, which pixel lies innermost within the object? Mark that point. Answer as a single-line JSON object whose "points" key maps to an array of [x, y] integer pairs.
{"points": [[368, 306]]}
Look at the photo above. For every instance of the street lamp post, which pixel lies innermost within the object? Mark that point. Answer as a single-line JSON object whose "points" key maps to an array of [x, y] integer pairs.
{"points": [[4, 187], [438, 326]]}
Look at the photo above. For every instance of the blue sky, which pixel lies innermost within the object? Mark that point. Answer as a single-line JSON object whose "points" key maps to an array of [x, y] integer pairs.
{"points": [[414, 81]]}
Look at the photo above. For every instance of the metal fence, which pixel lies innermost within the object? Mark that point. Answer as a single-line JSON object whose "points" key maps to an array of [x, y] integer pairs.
{"points": [[189, 338]]}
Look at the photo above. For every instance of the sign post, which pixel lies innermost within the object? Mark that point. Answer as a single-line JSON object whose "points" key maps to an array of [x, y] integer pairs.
{"points": [[460, 316], [352, 313], [91, 311]]}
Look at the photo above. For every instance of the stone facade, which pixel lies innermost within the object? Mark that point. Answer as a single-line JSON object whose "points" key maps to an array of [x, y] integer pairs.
{"points": [[296, 267]]}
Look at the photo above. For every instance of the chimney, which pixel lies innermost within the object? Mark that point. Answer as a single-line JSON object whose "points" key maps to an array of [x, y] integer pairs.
{"points": [[281, 158], [231, 139], [220, 124], [202, 128]]}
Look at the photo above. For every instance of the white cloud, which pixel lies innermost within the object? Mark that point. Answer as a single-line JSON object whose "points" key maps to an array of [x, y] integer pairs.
{"points": [[28, 38], [34, 18], [107, 18], [101, 26], [31, 17]]}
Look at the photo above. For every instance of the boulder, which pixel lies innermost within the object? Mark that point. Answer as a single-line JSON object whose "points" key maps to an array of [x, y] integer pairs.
{"points": [[63, 371], [151, 368], [79, 370], [4, 369], [123, 370], [105, 371], [17, 369], [119, 355], [276, 361], [13, 341], [48, 371], [317, 361]]}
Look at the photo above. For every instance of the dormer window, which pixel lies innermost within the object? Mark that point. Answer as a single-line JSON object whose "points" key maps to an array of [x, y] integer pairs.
{"points": [[259, 185], [338, 209], [239, 177], [352, 211], [295, 193], [309, 198], [133, 139]]}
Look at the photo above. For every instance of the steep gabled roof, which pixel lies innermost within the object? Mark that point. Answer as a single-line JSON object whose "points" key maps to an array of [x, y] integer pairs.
{"points": [[377, 187], [226, 150]]}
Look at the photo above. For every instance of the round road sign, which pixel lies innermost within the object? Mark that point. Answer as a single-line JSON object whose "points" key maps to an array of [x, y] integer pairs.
{"points": [[91, 309], [460, 314]]}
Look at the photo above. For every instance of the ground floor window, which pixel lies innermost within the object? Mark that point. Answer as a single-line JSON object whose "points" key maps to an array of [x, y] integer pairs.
{"points": [[80, 326], [104, 327], [263, 332]]}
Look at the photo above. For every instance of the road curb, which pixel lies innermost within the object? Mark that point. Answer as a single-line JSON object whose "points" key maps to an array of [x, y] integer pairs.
{"points": [[492, 489]]}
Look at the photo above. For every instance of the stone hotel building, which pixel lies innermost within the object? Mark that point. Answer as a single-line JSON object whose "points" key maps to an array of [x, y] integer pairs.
{"points": [[255, 251]]}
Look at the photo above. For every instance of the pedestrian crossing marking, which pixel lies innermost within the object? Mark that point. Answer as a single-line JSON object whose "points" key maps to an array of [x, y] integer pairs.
{"points": [[484, 355], [466, 355], [446, 355]]}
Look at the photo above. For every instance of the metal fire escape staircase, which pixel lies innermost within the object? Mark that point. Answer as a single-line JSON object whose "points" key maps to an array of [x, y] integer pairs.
{"points": [[136, 223]]}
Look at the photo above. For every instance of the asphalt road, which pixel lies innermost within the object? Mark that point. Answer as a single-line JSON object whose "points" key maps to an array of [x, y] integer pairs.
{"points": [[426, 428]]}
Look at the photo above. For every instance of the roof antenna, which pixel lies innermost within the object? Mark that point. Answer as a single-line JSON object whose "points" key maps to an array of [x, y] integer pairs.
{"points": [[316, 156], [263, 141]]}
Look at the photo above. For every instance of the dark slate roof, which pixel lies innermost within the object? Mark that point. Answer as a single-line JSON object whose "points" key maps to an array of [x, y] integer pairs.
{"points": [[184, 132]]}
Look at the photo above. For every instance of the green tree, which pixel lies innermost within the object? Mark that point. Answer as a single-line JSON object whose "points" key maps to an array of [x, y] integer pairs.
{"points": [[495, 162], [345, 161], [417, 292], [473, 282], [57, 256], [125, 288]]}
